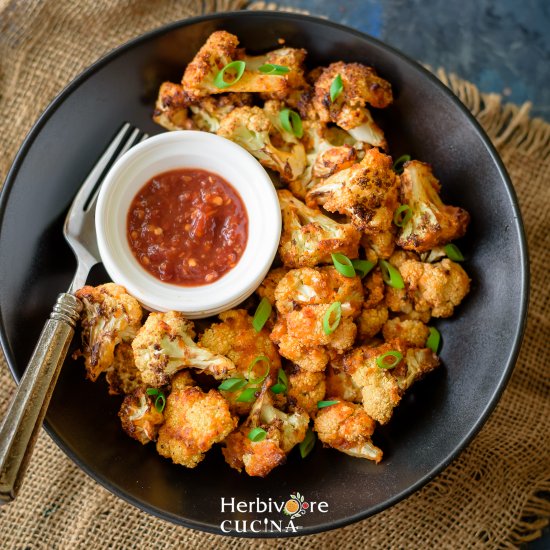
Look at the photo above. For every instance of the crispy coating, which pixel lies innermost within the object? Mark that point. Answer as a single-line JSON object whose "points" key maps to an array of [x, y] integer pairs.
{"points": [[432, 222], [366, 192], [123, 376], [171, 108], [413, 333], [193, 422], [340, 385], [208, 112], [374, 288], [306, 389], [109, 316], [371, 321], [269, 284], [348, 428], [181, 380], [309, 237], [165, 345], [139, 418]]}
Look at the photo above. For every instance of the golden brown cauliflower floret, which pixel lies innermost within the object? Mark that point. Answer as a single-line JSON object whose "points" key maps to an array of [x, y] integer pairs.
{"points": [[371, 321], [171, 107], [413, 333], [208, 113], [139, 417], [374, 288], [309, 237], [269, 284], [164, 345], [340, 385], [347, 428], [193, 422], [109, 316], [432, 223], [306, 389], [382, 244], [123, 376], [366, 192]]}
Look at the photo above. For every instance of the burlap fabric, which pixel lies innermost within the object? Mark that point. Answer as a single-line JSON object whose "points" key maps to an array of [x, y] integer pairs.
{"points": [[489, 497]]}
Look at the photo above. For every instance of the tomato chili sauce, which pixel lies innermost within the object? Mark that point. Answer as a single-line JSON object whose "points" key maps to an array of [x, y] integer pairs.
{"points": [[187, 227]]}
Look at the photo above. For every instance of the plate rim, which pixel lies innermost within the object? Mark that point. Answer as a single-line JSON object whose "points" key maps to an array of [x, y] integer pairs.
{"points": [[484, 138]]}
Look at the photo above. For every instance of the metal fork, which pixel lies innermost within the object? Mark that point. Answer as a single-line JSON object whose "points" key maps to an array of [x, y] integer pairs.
{"points": [[29, 404]]}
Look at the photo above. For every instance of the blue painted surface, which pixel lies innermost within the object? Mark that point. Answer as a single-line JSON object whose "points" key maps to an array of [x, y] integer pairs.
{"points": [[502, 46]]}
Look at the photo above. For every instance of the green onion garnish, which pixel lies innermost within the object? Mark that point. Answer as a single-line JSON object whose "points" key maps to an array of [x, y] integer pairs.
{"points": [[329, 327], [291, 122], [362, 267], [398, 164], [247, 396], [263, 311], [389, 360], [232, 384], [270, 68], [402, 215], [160, 401], [323, 404], [237, 67], [391, 275], [336, 88], [282, 382], [453, 252], [434, 339], [264, 359], [306, 446], [257, 434], [343, 264]]}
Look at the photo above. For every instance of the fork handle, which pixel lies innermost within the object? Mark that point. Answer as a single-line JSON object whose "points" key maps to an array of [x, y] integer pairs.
{"points": [[29, 404]]}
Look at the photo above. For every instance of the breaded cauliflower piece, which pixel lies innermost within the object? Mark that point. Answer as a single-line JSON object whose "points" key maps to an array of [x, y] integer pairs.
{"points": [[306, 389], [366, 192], [171, 107], [251, 128], [348, 428], [309, 237], [269, 284], [123, 376], [164, 345], [139, 417], [109, 316], [412, 333], [340, 385], [283, 432], [374, 288], [193, 422], [208, 113], [371, 321], [432, 223]]}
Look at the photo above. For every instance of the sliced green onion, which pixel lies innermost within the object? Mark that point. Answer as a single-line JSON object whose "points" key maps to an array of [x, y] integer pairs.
{"points": [[329, 327], [232, 384], [343, 264], [402, 215], [257, 434], [389, 360], [362, 267], [391, 275], [278, 388], [264, 359], [434, 339], [152, 391], [247, 396], [271, 68], [237, 66], [282, 382], [336, 87], [323, 404], [306, 446], [263, 311], [398, 164], [453, 252], [160, 402], [291, 122]]}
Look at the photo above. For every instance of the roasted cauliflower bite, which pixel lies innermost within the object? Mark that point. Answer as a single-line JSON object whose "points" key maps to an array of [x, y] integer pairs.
{"points": [[123, 376], [109, 316], [382, 244], [164, 345], [283, 432], [340, 385], [139, 417], [193, 422], [171, 108], [381, 389], [269, 284], [374, 288], [366, 192], [348, 428], [306, 389], [207, 113], [371, 321], [413, 333], [251, 128], [309, 237], [432, 223]]}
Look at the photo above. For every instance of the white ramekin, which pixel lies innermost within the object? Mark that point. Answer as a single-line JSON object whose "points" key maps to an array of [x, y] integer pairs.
{"points": [[188, 149]]}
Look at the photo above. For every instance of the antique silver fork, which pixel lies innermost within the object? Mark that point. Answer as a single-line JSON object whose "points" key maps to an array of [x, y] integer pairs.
{"points": [[28, 407]]}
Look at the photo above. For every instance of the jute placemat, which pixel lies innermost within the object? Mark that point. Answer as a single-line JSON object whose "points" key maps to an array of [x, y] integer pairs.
{"points": [[489, 497]]}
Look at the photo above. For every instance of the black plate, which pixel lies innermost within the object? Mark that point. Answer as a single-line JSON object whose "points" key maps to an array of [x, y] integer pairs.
{"points": [[436, 419]]}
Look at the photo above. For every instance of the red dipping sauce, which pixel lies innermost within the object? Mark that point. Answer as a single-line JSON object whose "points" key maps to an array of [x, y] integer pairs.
{"points": [[187, 227]]}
